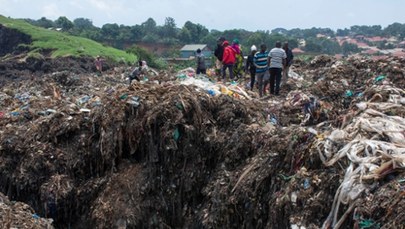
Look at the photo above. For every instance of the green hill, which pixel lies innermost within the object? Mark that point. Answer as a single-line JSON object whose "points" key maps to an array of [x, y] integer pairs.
{"points": [[62, 45]]}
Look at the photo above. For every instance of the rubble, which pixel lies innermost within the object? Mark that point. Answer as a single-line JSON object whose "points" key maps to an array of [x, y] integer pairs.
{"points": [[185, 151]]}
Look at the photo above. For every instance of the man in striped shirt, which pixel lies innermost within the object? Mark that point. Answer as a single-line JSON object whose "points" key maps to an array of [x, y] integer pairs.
{"points": [[277, 59], [260, 61]]}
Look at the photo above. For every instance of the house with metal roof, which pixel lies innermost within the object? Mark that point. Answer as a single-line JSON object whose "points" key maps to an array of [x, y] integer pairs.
{"points": [[190, 50]]}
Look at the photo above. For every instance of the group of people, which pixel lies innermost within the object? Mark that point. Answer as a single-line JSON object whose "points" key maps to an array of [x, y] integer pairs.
{"points": [[269, 67], [265, 67], [229, 57]]}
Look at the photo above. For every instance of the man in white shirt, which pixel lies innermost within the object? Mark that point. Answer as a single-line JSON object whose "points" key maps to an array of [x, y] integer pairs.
{"points": [[277, 58]]}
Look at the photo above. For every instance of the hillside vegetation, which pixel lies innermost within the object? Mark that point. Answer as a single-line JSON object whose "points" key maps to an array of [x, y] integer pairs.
{"points": [[61, 45]]}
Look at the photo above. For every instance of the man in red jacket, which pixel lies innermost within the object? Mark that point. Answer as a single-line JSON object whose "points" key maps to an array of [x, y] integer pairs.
{"points": [[228, 60]]}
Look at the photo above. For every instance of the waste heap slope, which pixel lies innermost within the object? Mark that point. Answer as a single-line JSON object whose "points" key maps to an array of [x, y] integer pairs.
{"points": [[103, 154]]}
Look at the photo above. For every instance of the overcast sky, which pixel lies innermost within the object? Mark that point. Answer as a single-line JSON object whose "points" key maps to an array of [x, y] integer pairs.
{"points": [[217, 14]]}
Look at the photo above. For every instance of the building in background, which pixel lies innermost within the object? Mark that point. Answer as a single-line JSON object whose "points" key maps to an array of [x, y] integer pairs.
{"points": [[190, 50]]}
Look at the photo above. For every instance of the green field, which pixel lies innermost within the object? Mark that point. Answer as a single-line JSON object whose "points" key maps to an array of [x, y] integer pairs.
{"points": [[63, 45]]}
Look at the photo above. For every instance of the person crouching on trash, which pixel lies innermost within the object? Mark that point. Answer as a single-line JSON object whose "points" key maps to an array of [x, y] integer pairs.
{"points": [[136, 73]]}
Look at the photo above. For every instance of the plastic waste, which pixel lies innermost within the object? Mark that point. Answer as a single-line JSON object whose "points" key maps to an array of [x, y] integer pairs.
{"points": [[96, 103], [179, 106], [83, 100], [362, 106], [272, 119], [50, 111], [109, 91], [134, 101], [176, 134], [368, 223], [294, 197], [85, 110], [23, 97], [379, 78], [211, 92], [181, 76], [124, 96], [349, 93], [306, 183], [225, 91], [345, 83], [15, 113]]}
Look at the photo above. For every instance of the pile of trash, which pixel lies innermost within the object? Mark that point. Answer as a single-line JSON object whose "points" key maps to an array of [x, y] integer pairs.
{"points": [[20, 215], [186, 151]]}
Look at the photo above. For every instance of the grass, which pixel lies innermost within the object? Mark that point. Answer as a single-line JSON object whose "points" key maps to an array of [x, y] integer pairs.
{"points": [[62, 45]]}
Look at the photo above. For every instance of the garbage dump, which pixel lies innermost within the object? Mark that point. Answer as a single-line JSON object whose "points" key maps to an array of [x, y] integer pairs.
{"points": [[20, 215], [184, 151]]}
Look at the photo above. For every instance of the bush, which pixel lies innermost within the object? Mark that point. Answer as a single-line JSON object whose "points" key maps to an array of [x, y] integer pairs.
{"points": [[151, 59]]}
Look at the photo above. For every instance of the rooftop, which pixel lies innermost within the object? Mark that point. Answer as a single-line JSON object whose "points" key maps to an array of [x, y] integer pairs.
{"points": [[193, 47]]}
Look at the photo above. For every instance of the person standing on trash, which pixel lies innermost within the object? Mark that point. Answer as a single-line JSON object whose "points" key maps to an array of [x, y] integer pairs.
{"points": [[200, 59], [238, 66], [228, 60], [250, 66], [219, 52], [288, 62], [277, 59], [99, 65], [260, 62]]}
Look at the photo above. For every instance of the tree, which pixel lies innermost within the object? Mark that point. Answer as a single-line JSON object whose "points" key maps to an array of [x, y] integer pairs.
{"points": [[329, 46], [64, 23], [312, 45], [169, 28], [110, 33], [279, 30], [273, 38], [256, 39], [348, 48], [185, 35], [197, 31], [124, 37], [83, 24], [343, 32], [44, 22], [365, 30], [395, 29], [149, 26], [137, 32]]}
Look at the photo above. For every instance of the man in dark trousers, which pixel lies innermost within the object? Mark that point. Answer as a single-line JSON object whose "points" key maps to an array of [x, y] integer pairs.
{"points": [[288, 62], [200, 59], [219, 52], [277, 59], [250, 66]]}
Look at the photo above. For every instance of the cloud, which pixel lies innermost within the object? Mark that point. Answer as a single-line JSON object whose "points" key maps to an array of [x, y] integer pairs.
{"points": [[110, 8], [51, 11], [77, 4], [101, 5], [5, 7]]}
